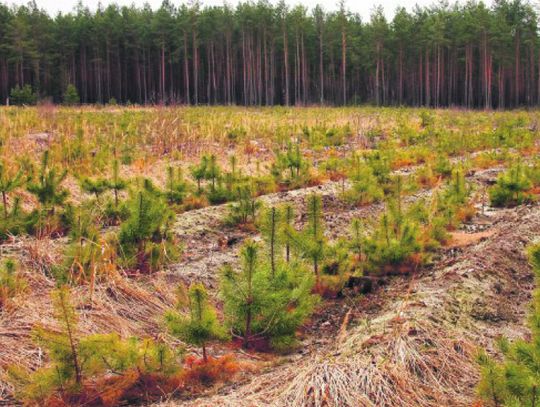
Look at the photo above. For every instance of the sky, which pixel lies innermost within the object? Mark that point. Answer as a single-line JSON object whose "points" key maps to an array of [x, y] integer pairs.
{"points": [[363, 7]]}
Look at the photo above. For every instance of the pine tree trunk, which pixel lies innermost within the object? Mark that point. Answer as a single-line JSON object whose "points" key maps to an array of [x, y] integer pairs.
{"points": [[344, 63]]}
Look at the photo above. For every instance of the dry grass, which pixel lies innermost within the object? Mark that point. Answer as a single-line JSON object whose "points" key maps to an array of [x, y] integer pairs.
{"points": [[419, 348], [415, 351]]}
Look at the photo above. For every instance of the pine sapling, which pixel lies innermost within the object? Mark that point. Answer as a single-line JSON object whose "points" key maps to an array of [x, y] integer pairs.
{"points": [[244, 210], [286, 228], [95, 186], [314, 233], [238, 291], [63, 345], [176, 186], [8, 183], [47, 188], [269, 226], [116, 183], [213, 172], [145, 237], [357, 237], [263, 305], [200, 325], [199, 172]]}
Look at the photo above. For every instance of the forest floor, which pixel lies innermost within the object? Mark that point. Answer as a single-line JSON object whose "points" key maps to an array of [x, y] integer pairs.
{"points": [[410, 342], [414, 340]]}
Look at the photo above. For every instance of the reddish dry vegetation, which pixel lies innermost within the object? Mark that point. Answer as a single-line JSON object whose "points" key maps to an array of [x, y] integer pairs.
{"points": [[134, 387]]}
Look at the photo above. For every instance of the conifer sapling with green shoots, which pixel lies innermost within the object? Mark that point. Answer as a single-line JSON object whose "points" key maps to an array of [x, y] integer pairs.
{"points": [[199, 325]]}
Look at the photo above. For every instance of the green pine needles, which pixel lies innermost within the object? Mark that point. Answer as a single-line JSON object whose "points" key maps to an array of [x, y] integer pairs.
{"points": [[9, 182], [199, 325], [75, 361], [177, 187], [512, 187], [365, 187], [516, 380], [48, 186], [311, 243], [145, 239], [244, 211], [265, 306]]}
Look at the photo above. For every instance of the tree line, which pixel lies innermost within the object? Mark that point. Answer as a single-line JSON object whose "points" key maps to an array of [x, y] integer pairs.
{"points": [[468, 55]]}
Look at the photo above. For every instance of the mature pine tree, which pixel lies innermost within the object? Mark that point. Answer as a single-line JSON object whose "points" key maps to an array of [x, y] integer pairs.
{"points": [[470, 55]]}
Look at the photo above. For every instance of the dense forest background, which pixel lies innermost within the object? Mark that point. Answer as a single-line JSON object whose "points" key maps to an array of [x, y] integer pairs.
{"points": [[467, 55]]}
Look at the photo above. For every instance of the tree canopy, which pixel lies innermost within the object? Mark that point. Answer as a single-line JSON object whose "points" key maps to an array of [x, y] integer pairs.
{"points": [[255, 53]]}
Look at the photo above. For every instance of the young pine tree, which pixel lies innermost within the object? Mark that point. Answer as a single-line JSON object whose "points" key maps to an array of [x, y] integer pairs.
{"points": [[8, 183], [269, 226], [290, 162], [63, 345], [243, 293], [176, 186], [116, 183], [261, 305], [511, 187], [47, 188], [73, 359], [365, 187], [16, 221], [244, 210], [515, 381], [200, 325], [311, 241], [71, 96], [287, 229], [394, 241], [199, 172], [233, 176], [213, 173], [357, 238], [84, 251], [145, 239], [94, 186]]}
